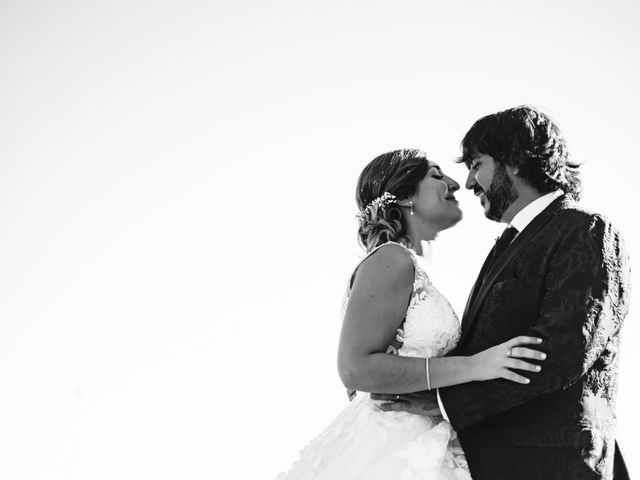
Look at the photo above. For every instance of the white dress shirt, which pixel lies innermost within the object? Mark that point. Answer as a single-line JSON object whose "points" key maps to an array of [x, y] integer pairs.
{"points": [[520, 222]]}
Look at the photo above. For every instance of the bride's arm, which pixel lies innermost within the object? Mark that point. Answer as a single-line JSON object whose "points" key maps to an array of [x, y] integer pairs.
{"points": [[377, 305]]}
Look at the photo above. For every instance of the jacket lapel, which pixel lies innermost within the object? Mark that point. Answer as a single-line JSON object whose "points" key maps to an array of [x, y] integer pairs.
{"points": [[476, 299], [477, 284]]}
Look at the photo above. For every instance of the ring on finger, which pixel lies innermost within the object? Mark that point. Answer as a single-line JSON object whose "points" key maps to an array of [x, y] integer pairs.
{"points": [[397, 397], [509, 353]]}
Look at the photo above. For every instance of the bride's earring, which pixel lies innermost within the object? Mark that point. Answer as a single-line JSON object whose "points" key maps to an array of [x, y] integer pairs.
{"points": [[411, 204]]}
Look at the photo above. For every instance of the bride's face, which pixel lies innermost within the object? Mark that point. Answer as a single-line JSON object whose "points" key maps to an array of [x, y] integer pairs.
{"points": [[434, 201]]}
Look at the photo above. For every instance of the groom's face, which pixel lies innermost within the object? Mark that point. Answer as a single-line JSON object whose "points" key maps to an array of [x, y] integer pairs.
{"points": [[491, 183]]}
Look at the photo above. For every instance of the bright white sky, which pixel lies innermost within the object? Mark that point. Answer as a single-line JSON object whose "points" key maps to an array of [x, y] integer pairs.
{"points": [[177, 205]]}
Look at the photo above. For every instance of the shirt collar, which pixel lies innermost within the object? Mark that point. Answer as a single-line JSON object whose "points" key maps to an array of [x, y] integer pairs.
{"points": [[531, 211]]}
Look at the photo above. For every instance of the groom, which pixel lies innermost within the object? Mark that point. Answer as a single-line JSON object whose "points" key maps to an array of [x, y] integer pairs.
{"points": [[558, 272]]}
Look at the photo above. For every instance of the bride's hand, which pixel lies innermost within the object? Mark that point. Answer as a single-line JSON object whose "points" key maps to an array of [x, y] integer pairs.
{"points": [[501, 360]]}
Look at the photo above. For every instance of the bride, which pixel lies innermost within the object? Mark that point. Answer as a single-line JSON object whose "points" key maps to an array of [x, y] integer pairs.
{"points": [[397, 330]]}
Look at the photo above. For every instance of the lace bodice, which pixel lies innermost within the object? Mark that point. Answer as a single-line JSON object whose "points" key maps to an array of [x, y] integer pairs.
{"points": [[431, 327]]}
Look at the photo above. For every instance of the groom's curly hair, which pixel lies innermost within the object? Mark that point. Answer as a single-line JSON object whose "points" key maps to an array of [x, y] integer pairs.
{"points": [[398, 173], [530, 140]]}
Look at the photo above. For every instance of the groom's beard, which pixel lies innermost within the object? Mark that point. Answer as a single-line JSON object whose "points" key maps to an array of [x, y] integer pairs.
{"points": [[501, 193]]}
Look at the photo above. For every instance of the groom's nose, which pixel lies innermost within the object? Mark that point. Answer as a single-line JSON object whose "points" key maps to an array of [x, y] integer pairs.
{"points": [[471, 181]]}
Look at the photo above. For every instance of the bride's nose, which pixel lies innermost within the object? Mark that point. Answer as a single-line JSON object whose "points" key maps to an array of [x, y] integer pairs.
{"points": [[452, 184]]}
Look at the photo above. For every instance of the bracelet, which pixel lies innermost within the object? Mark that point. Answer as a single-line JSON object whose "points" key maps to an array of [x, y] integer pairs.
{"points": [[427, 369]]}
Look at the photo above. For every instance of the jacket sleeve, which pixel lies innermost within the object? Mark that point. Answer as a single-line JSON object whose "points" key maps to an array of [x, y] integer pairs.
{"points": [[585, 300]]}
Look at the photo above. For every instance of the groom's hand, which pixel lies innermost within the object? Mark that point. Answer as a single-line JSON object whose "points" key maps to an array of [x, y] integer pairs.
{"points": [[419, 403]]}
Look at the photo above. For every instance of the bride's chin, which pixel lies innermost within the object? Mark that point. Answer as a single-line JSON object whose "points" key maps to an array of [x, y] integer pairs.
{"points": [[456, 218], [454, 221]]}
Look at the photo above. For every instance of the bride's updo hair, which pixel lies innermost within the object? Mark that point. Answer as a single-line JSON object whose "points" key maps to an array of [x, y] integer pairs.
{"points": [[398, 173]]}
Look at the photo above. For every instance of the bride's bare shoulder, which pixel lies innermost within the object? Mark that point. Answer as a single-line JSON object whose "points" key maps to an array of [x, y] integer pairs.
{"points": [[390, 263]]}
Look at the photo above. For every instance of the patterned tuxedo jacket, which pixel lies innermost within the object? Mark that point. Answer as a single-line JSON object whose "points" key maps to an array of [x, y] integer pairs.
{"points": [[565, 278]]}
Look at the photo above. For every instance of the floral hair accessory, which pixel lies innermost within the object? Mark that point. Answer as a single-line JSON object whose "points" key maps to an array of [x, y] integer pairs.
{"points": [[382, 201]]}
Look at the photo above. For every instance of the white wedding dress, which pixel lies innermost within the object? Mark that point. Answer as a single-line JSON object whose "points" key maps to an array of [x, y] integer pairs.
{"points": [[363, 442]]}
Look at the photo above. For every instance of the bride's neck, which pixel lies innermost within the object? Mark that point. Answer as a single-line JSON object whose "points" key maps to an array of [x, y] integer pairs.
{"points": [[418, 237]]}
